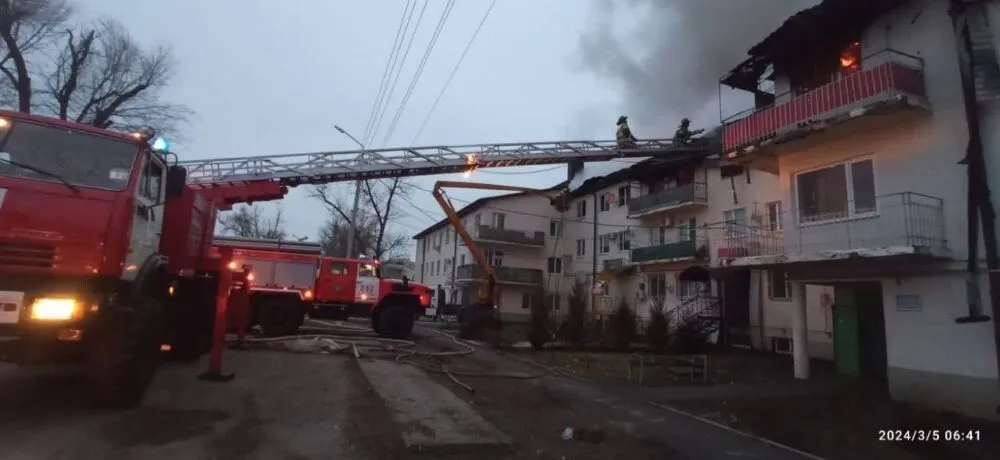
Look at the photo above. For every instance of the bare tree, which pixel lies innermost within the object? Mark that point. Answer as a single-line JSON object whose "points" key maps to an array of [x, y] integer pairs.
{"points": [[95, 74], [102, 77], [373, 234], [26, 27], [251, 221]]}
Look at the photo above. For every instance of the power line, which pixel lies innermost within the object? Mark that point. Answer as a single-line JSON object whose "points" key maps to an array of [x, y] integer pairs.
{"points": [[458, 64], [389, 62], [399, 71], [420, 70]]}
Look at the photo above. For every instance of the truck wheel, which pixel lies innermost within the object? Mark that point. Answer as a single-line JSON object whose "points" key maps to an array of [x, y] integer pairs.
{"points": [[123, 351], [395, 322], [192, 335], [278, 316]]}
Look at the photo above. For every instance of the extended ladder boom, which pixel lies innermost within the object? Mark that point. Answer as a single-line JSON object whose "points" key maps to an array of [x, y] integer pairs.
{"points": [[325, 167]]}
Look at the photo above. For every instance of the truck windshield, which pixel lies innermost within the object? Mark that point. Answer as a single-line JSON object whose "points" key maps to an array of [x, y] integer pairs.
{"points": [[79, 158]]}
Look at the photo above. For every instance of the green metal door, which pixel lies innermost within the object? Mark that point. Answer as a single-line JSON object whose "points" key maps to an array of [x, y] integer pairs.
{"points": [[846, 340]]}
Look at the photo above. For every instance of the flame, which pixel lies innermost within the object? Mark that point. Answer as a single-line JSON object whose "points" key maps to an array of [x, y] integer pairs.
{"points": [[472, 164]]}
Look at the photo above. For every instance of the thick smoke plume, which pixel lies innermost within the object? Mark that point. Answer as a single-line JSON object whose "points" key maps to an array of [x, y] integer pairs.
{"points": [[671, 59]]}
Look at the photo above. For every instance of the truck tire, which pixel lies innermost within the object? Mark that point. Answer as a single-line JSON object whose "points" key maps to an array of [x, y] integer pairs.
{"points": [[123, 351], [395, 322], [280, 316], [192, 334]]}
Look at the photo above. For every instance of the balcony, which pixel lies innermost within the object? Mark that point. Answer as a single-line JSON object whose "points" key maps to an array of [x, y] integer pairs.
{"points": [[904, 224], [487, 234], [507, 275], [888, 87], [682, 197], [683, 250]]}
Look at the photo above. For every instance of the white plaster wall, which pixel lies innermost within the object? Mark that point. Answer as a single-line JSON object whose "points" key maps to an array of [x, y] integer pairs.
{"points": [[930, 340]]}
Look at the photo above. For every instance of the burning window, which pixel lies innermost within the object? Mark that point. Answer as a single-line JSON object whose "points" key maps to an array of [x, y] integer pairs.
{"points": [[850, 58]]}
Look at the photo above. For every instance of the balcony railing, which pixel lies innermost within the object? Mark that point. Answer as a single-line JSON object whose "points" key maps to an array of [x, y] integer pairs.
{"points": [[907, 222], [885, 75], [693, 193], [503, 274], [487, 233], [696, 248]]}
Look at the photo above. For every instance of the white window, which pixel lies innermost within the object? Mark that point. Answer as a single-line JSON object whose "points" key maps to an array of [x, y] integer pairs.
{"points": [[494, 258], [736, 220], [555, 228], [624, 195], [773, 216], [581, 208], [604, 243], [836, 192], [498, 220], [605, 202], [461, 258], [526, 300], [625, 240], [778, 287], [555, 265], [581, 247], [657, 285], [687, 230], [152, 180]]}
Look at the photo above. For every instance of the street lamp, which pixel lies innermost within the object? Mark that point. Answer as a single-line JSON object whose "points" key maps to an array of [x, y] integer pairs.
{"points": [[357, 195]]}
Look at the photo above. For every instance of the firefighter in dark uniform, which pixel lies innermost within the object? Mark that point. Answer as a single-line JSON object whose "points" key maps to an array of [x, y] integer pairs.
{"points": [[684, 133], [624, 135]]}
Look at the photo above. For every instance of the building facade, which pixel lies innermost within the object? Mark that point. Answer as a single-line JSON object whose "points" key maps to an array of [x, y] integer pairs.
{"points": [[866, 126]]}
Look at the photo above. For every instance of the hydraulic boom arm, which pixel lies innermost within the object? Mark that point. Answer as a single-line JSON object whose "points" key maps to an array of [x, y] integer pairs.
{"points": [[488, 294]]}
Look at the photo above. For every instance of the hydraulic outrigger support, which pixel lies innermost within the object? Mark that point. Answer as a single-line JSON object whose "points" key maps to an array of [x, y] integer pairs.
{"points": [[483, 314]]}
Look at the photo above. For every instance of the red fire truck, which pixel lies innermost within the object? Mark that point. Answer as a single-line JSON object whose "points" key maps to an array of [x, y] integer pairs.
{"points": [[105, 253], [292, 279]]}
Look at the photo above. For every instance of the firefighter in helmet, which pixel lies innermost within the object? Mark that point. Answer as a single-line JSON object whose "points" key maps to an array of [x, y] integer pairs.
{"points": [[684, 133], [624, 135]]}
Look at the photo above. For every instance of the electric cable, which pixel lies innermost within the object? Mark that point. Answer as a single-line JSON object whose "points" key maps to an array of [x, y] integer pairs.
{"points": [[399, 71], [389, 62]]}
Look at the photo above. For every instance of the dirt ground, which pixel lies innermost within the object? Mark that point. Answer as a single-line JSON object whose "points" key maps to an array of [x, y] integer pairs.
{"points": [[828, 416]]}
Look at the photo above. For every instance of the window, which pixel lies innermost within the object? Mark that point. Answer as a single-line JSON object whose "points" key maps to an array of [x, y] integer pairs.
{"points": [[837, 192], [624, 195], [494, 258], [736, 220], [525, 300], [152, 180], [498, 220], [604, 241], [478, 220], [657, 285], [625, 240], [555, 228], [687, 230], [554, 301], [581, 208], [581, 247], [366, 270], [437, 268], [338, 268], [605, 203], [555, 265], [773, 216], [461, 259], [778, 287]]}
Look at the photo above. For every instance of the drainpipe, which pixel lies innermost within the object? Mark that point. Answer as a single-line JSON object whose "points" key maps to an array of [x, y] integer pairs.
{"points": [[979, 188], [593, 267]]}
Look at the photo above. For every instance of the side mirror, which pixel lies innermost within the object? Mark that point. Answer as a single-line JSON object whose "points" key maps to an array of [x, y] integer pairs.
{"points": [[176, 181]]}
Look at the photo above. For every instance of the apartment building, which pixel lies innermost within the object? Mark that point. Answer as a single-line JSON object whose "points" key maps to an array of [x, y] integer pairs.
{"points": [[521, 237], [860, 111]]}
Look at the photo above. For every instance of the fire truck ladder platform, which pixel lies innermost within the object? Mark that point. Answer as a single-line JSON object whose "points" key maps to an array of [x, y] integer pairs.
{"points": [[317, 168]]}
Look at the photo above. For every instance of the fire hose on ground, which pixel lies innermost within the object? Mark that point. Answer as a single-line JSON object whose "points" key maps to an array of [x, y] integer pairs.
{"points": [[330, 337]]}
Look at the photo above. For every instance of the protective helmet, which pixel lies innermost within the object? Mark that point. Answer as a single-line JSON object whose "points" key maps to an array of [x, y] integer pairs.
{"points": [[685, 121], [622, 119]]}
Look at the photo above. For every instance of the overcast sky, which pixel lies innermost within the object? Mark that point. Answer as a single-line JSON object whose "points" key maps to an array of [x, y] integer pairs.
{"points": [[268, 77]]}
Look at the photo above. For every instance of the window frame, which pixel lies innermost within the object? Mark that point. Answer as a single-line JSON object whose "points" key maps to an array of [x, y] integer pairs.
{"points": [[604, 244], [581, 247], [624, 195], [581, 208], [604, 204], [526, 299], [852, 213], [554, 265], [772, 216], [555, 228], [732, 226], [772, 278]]}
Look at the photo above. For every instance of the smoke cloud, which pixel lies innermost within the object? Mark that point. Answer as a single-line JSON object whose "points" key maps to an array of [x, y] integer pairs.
{"points": [[673, 53]]}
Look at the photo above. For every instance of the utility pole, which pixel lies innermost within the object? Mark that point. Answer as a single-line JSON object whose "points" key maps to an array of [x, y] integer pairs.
{"points": [[352, 229]]}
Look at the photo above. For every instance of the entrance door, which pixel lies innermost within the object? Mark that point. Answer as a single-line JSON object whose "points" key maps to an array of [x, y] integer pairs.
{"points": [[871, 331], [736, 308], [846, 342]]}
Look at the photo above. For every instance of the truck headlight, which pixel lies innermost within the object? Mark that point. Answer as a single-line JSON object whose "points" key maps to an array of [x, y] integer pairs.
{"points": [[55, 309]]}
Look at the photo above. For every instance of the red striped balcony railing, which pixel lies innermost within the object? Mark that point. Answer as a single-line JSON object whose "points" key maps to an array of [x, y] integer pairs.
{"points": [[883, 75]]}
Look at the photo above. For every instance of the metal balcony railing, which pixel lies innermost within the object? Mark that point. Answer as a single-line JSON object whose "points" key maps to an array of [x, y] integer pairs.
{"points": [[884, 75], [696, 192], [696, 247], [906, 219], [487, 233], [503, 274]]}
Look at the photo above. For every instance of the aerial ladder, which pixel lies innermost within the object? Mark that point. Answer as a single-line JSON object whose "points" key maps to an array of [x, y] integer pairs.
{"points": [[483, 313]]}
